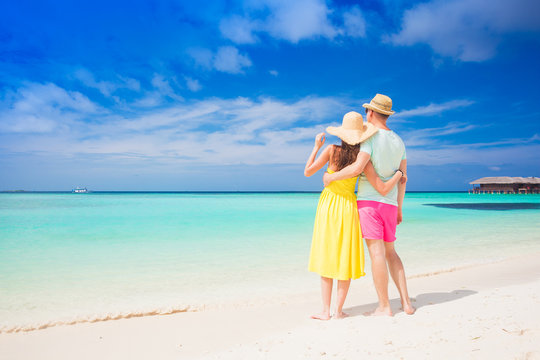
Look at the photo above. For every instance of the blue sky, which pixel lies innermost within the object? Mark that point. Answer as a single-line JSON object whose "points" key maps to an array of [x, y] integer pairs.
{"points": [[228, 95]]}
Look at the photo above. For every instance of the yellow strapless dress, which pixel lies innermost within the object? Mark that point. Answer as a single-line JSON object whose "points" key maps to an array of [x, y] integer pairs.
{"points": [[337, 249]]}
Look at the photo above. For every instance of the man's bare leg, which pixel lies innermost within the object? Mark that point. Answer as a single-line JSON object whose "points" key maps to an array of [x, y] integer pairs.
{"points": [[326, 291], [343, 289], [380, 276], [398, 275]]}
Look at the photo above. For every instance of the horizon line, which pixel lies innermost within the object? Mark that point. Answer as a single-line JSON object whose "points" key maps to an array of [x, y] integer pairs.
{"points": [[205, 191]]}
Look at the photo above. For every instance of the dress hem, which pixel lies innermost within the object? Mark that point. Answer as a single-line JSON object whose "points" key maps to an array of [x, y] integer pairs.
{"points": [[337, 277]]}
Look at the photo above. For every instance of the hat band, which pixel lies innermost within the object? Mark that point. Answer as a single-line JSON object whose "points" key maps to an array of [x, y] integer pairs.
{"points": [[383, 106]]}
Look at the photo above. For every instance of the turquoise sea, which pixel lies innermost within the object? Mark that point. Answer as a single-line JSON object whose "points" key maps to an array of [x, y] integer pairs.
{"points": [[66, 258]]}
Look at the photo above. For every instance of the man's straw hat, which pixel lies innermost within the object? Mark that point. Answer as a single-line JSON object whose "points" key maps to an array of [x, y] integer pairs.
{"points": [[381, 104], [353, 130]]}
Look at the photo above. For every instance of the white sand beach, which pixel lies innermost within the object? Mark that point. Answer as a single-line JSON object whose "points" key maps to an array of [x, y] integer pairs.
{"points": [[488, 311]]}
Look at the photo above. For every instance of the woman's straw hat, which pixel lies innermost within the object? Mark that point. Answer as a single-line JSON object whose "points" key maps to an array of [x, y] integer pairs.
{"points": [[353, 130], [381, 104]]}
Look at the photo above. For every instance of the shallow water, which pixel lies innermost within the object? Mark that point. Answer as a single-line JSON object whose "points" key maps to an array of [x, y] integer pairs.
{"points": [[66, 257]]}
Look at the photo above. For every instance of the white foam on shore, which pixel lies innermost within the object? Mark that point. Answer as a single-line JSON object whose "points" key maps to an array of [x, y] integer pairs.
{"points": [[93, 319]]}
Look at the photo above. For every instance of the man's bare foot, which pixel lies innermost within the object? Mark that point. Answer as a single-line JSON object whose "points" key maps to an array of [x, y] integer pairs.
{"points": [[380, 312], [321, 316], [340, 315], [408, 309]]}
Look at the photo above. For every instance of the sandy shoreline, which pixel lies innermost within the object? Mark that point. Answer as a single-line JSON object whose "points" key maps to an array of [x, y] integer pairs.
{"points": [[486, 311], [279, 296]]}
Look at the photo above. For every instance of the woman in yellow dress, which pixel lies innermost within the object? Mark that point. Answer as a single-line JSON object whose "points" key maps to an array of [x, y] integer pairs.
{"points": [[337, 250]]}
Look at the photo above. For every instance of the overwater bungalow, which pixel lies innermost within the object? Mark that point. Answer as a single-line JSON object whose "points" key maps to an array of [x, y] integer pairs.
{"points": [[506, 185]]}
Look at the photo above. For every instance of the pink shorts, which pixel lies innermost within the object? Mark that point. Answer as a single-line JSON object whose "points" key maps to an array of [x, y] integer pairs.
{"points": [[377, 220]]}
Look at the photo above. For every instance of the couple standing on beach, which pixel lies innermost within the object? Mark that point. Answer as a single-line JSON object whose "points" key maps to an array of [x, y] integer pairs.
{"points": [[369, 151]]}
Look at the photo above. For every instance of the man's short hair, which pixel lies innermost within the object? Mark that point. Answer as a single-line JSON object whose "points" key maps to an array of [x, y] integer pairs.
{"points": [[380, 116]]}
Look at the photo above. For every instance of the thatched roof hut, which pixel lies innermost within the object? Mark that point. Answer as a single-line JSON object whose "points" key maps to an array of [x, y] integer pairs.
{"points": [[507, 184]]}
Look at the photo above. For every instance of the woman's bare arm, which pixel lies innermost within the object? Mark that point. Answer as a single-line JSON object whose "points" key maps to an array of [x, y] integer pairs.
{"points": [[313, 165], [382, 187]]}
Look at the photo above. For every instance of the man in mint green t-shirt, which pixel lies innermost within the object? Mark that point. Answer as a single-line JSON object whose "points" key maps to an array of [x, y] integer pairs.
{"points": [[380, 214]]}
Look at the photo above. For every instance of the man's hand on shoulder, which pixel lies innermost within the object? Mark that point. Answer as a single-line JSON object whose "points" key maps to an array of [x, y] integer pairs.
{"points": [[327, 179]]}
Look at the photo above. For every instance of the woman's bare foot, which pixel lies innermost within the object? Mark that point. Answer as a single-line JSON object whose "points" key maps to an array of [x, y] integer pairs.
{"points": [[340, 315], [321, 316], [380, 312], [408, 309]]}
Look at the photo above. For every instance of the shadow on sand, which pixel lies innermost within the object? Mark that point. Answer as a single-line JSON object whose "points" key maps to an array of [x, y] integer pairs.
{"points": [[419, 301]]}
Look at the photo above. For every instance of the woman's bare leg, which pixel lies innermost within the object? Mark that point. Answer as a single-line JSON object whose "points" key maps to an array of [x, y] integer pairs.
{"points": [[326, 292], [343, 289]]}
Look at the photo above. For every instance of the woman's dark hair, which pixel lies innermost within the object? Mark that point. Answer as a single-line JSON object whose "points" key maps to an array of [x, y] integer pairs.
{"points": [[344, 155]]}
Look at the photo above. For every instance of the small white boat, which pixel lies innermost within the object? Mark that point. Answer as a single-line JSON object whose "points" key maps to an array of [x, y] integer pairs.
{"points": [[79, 190]]}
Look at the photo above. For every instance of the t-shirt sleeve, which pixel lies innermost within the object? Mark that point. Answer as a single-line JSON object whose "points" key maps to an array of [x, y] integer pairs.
{"points": [[367, 147], [404, 157]]}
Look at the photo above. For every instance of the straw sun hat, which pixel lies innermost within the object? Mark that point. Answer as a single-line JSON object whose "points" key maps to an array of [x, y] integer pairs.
{"points": [[381, 104], [353, 130]]}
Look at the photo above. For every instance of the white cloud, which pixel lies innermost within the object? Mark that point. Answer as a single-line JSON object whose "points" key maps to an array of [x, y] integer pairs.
{"points": [[107, 88], [432, 146], [130, 83], [292, 21], [236, 131], [160, 83], [469, 30], [203, 57], [273, 72], [150, 99], [433, 109], [471, 154], [299, 19], [432, 136], [354, 22], [50, 121], [238, 29], [226, 59], [426, 139], [163, 87], [193, 84], [161, 90], [41, 108]]}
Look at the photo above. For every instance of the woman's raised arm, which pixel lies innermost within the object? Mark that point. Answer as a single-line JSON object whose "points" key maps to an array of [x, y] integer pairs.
{"points": [[312, 165]]}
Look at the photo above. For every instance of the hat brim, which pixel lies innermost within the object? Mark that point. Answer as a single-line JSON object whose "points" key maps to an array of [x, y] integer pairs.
{"points": [[378, 110], [353, 137]]}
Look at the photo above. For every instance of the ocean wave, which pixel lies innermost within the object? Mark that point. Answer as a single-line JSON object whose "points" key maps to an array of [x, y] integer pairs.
{"points": [[117, 315], [8, 329]]}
